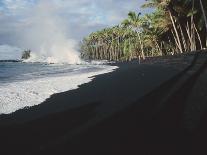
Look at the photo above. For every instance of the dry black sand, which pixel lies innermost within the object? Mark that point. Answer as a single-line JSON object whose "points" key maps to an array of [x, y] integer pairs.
{"points": [[158, 107]]}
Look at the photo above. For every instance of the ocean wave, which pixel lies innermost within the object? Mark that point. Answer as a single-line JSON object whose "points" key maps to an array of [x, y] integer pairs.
{"points": [[28, 93]]}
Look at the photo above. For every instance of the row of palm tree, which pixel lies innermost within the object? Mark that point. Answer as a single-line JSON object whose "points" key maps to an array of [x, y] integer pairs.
{"points": [[175, 26], [116, 43]]}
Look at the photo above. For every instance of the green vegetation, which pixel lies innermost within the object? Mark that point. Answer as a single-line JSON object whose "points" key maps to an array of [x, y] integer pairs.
{"points": [[175, 26], [26, 54]]}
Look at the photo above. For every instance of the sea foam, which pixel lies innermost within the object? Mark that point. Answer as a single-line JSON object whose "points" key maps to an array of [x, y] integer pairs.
{"points": [[28, 93]]}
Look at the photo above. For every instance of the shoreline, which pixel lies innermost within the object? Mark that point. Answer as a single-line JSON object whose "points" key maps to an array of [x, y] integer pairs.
{"points": [[30, 89], [34, 110], [110, 105]]}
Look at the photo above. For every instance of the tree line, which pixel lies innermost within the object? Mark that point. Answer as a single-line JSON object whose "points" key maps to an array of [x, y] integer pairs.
{"points": [[175, 26]]}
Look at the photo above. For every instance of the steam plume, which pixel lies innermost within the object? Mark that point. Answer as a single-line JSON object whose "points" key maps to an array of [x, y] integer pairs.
{"points": [[46, 35]]}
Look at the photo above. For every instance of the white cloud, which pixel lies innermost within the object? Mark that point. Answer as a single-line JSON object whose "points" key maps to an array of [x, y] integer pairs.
{"points": [[80, 16], [14, 7]]}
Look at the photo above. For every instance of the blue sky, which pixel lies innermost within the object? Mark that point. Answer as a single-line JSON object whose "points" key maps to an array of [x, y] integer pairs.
{"points": [[80, 16]]}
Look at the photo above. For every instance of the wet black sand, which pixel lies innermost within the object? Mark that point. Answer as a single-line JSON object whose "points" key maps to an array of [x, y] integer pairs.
{"points": [[158, 107]]}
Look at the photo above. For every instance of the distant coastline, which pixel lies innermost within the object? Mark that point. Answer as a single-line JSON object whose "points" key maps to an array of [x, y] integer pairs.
{"points": [[10, 60]]}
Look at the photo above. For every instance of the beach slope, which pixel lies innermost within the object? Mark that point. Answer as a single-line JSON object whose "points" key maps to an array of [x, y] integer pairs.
{"points": [[157, 107]]}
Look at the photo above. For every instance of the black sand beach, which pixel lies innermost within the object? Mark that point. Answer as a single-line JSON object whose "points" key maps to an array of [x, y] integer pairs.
{"points": [[157, 107]]}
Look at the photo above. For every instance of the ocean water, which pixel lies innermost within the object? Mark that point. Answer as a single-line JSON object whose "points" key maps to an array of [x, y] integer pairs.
{"points": [[24, 85]]}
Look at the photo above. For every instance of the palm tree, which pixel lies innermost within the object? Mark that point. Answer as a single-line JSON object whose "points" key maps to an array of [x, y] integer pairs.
{"points": [[204, 17], [134, 21], [166, 5], [175, 25]]}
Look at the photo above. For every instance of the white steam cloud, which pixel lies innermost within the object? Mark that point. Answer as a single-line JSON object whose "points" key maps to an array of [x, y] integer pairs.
{"points": [[45, 35]]}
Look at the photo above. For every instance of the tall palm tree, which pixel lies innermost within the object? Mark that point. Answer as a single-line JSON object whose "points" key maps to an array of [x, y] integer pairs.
{"points": [[153, 28], [166, 5], [204, 17], [175, 25], [134, 21]]}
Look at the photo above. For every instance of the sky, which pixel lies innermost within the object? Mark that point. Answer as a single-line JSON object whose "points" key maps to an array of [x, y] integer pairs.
{"points": [[47, 27], [80, 17]]}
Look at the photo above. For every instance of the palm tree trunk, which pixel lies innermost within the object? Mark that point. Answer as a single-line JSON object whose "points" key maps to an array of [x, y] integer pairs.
{"points": [[183, 38], [130, 49], [176, 32], [188, 33], [204, 15], [176, 42], [199, 38], [158, 47], [193, 45], [192, 29], [142, 46]]}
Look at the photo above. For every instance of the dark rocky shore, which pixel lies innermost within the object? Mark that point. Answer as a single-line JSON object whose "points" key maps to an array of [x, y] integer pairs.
{"points": [[157, 107]]}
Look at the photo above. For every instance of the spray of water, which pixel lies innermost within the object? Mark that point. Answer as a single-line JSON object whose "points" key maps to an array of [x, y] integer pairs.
{"points": [[46, 35]]}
